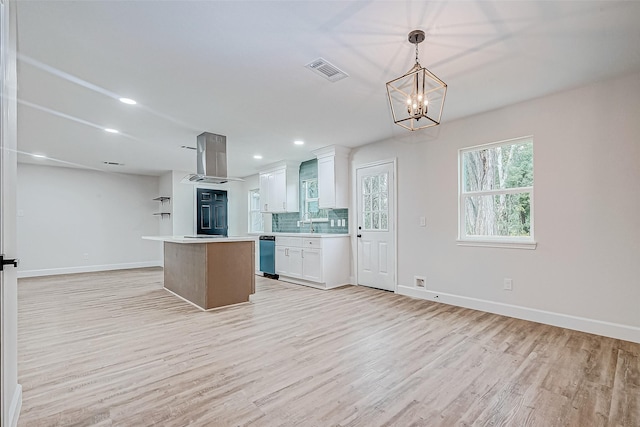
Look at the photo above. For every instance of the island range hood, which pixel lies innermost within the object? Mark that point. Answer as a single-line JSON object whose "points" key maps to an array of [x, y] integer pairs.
{"points": [[211, 164]]}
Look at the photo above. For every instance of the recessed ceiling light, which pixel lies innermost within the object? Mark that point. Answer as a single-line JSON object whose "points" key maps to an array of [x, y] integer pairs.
{"points": [[128, 101], [111, 130], [257, 156], [298, 142], [39, 156]]}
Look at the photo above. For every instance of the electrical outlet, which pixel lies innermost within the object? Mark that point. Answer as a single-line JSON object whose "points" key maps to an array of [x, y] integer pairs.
{"points": [[419, 281], [298, 223], [85, 256], [508, 284], [423, 221], [344, 222], [332, 222]]}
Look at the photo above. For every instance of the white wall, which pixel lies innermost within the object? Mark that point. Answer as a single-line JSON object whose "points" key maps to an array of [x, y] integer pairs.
{"points": [[238, 209], [585, 272], [165, 189], [66, 213], [251, 183], [183, 205]]}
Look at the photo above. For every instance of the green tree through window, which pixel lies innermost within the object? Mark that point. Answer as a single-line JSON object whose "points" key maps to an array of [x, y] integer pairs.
{"points": [[496, 191]]}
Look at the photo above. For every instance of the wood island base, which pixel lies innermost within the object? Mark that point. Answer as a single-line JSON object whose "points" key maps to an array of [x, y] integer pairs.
{"points": [[211, 274]]}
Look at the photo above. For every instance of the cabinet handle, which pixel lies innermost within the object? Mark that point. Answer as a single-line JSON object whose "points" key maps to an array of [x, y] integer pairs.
{"points": [[265, 207], [284, 207], [286, 252], [302, 252]]}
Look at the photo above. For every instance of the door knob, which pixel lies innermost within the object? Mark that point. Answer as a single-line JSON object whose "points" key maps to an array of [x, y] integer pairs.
{"points": [[4, 262], [359, 235]]}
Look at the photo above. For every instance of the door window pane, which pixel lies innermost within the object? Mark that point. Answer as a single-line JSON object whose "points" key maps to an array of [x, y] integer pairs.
{"points": [[367, 221], [384, 202], [366, 185], [383, 183], [374, 184], [375, 203]]}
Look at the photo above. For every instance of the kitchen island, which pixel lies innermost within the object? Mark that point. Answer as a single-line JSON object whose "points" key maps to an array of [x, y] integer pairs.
{"points": [[209, 272]]}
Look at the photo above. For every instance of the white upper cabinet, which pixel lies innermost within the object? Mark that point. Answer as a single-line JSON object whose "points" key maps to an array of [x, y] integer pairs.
{"points": [[333, 177], [279, 187], [264, 191]]}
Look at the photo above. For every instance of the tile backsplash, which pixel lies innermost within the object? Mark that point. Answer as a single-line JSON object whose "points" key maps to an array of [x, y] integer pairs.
{"points": [[288, 222]]}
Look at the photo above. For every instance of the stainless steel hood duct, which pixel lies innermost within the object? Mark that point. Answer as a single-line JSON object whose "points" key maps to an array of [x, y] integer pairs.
{"points": [[211, 164]]}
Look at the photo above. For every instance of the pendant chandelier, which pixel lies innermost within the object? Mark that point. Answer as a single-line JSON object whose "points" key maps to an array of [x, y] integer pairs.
{"points": [[417, 97]]}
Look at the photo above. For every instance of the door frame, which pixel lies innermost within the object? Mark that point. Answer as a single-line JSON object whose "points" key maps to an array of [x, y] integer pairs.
{"points": [[354, 191], [10, 389]]}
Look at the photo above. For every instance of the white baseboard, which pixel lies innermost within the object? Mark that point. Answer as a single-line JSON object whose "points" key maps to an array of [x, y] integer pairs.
{"points": [[16, 406], [88, 269], [592, 326]]}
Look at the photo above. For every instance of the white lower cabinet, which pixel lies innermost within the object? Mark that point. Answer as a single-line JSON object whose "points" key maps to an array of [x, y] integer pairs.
{"points": [[312, 265], [295, 262], [282, 261], [321, 262]]}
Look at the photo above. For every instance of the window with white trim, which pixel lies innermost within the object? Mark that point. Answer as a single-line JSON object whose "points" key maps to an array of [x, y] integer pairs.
{"points": [[256, 224], [496, 194], [311, 211]]}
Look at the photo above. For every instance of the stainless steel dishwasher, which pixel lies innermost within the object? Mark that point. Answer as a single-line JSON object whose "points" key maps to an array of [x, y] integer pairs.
{"points": [[268, 256]]}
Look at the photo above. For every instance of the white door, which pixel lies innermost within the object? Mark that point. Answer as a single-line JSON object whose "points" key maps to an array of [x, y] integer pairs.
{"points": [[376, 226], [10, 393]]}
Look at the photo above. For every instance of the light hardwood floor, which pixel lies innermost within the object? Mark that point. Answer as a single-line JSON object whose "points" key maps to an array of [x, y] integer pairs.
{"points": [[114, 348]]}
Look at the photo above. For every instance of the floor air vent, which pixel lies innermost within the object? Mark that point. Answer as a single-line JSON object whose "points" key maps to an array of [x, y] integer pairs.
{"points": [[326, 69]]}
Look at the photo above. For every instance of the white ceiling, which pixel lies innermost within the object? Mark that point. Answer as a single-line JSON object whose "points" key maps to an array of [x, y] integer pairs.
{"points": [[237, 68]]}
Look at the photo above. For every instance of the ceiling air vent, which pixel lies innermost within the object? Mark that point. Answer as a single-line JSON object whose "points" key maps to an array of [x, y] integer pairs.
{"points": [[326, 69]]}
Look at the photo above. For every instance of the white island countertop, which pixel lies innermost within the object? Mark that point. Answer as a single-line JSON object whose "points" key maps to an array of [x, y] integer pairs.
{"points": [[198, 239]]}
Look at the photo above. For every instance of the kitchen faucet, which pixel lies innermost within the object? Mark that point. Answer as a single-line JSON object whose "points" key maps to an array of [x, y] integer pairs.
{"points": [[307, 218]]}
